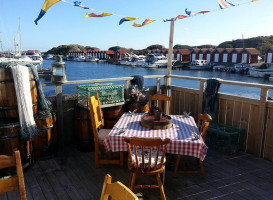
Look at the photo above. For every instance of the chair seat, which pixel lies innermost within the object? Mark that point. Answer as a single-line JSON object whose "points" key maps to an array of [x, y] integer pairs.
{"points": [[146, 158], [103, 133]]}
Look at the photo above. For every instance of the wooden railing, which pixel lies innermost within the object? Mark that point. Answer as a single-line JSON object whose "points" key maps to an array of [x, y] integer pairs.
{"points": [[255, 116], [62, 133]]}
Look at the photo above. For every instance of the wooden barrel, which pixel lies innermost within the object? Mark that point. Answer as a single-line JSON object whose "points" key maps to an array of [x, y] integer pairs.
{"points": [[111, 116], [151, 122], [139, 107], [46, 143], [83, 130], [8, 99], [10, 140]]}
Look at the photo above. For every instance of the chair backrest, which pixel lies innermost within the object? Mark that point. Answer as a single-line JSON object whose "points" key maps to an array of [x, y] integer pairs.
{"points": [[203, 124], [146, 154], [117, 191], [96, 115], [14, 182], [160, 100]]}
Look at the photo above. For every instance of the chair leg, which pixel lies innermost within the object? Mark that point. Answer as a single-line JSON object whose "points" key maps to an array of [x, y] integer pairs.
{"points": [[160, 187], [202, 168], [176, 165], [133, 180], [121, 155], [97, 162]]}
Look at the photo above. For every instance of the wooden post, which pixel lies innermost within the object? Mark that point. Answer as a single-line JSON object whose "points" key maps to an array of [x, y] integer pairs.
{"points": [[262, 118], [157, 85], [201, 96], [170, 53], [127, 84], [59, 103]]}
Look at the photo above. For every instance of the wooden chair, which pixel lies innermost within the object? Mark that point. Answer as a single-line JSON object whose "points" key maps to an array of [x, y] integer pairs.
{"points": [[99, 133], [116, 190], [160, 100], [147, 157], [203, 124], [14, 182]]}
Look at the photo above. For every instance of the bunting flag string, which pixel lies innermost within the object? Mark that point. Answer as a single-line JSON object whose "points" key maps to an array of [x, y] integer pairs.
{"points": [[127, 19], [147, 21], [190, 13], [223, 4], [104, 14]]}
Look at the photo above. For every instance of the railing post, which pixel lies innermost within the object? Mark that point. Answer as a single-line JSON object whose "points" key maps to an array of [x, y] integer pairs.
{"points": [[157, 85], [59, 104], [127, 84], [263, 112], [201, 96]]}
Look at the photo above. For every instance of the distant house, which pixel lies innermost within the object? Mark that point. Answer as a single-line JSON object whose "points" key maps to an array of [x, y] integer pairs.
{"points": [[217, 54], [250, 55], [268, 55], [183, 55], [120, 54], [210, 55], [110, 54], [195, 54]]}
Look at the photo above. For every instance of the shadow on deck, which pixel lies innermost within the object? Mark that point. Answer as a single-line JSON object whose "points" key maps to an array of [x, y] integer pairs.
{"points": [[73, 176]]}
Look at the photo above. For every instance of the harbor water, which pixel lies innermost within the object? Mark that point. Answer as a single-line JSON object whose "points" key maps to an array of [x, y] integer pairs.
{"points": [[89, 70]]}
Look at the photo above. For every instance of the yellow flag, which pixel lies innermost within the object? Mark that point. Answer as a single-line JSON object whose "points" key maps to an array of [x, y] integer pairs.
{"points": [[48, 4]]}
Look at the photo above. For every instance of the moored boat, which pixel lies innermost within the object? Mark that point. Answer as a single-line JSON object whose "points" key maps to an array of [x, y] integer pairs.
{"points": [[91, 59], [199, 65], [265, 70], [156, 60]]}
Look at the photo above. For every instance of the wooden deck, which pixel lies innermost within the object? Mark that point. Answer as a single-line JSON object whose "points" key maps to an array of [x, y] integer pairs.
{"points": [[73, 176]]}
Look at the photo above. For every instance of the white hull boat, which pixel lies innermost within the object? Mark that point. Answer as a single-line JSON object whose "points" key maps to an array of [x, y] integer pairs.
{"points": [[199, 65], [79, 59], [261, 72], [91, 59], [156, 60]]}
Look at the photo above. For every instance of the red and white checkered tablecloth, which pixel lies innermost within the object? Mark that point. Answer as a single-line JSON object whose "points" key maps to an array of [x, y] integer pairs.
{"points": [[182, 141]]}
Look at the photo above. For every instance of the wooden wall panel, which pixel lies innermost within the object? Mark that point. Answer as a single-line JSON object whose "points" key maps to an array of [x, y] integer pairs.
{"points": [[268, 143], [239, 112], [222, 111]]}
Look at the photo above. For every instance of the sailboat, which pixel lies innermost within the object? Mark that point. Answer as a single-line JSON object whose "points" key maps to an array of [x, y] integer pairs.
{"points": [[17, 55]]}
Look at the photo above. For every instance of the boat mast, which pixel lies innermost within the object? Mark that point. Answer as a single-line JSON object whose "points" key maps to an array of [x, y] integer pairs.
{"points": [[243, 60], [20, 44]]}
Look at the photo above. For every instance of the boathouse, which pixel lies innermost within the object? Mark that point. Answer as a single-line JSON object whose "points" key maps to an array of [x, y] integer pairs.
{"points": [[183, 55], [218, 56], [210, 55], [120, 54], [195, 54], [268, 55]]}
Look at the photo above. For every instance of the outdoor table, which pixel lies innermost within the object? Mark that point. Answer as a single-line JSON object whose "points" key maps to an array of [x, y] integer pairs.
{"points": [[182, 140]]}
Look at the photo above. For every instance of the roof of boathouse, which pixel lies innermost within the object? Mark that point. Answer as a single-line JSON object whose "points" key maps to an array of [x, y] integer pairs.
{"points": [[184, 51], [123, 51]]}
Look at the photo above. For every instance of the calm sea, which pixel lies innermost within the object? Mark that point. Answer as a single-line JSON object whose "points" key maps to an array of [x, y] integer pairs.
{"points": [[86, 70]]}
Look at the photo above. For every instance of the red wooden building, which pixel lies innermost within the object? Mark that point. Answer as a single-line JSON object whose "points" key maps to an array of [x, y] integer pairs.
{"points": [[268, 55]]}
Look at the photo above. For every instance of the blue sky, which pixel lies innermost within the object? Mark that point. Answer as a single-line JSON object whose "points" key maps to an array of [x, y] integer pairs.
{"points": [[66, 24]]}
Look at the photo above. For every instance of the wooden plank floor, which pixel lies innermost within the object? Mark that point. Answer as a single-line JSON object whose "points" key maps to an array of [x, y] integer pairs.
{"points": [[73, 176]]}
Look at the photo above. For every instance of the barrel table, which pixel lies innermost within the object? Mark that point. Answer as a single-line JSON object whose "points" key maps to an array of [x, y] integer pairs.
{"points": [[8, 99], [83, 130], [46, 143]]}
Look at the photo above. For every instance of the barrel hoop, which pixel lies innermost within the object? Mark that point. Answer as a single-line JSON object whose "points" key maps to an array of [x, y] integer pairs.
{"points": [[13, 107], [9, 136], [11, 125], [10, 81], [46, 128]]}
